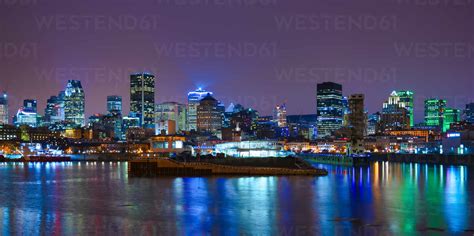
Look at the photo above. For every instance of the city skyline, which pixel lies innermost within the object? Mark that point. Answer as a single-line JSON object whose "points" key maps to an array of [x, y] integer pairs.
{"points": [[293, 57]]}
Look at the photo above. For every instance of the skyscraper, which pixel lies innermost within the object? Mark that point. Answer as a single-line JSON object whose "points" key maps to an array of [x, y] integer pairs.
{"points": [[142, 98], [394, 115], [209, 115], [357, 122], [434, 109], [51, 109], [114, 104], [194, 98], [74, 103], [450, 116], [27, 115], [330, 108], [280, 115], [407, 101], [4, 108], [469, 112]]}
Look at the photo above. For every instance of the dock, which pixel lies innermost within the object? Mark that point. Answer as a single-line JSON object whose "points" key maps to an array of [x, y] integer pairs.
{"points": [[167, 167]]}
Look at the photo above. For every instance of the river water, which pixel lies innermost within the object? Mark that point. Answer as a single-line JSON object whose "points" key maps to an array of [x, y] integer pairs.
{"points": [[100, 198]]}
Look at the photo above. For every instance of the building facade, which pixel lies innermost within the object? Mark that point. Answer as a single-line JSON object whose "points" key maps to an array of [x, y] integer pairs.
{"points": [[407, 101], [170, 111], [74, 103], [280, 115], [209, 115], [469, 113], [194, 98], [4, 108], [395, 114], [114, 104], [330, 109], [142, 98]]}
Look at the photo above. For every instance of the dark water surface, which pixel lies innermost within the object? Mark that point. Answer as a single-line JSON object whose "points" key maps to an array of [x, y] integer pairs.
{"points": [[100, 198]]}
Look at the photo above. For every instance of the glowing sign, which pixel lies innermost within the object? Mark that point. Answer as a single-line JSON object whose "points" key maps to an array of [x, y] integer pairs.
{"points": [[454, 135]]}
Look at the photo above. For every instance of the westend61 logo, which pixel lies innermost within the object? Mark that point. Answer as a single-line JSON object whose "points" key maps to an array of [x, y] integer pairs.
{"points": [[437, 2], [228, 3], [216, 49], [97, 22], [326, 22], [339, 74], [11, 50], [18, 2], [461, 50]]}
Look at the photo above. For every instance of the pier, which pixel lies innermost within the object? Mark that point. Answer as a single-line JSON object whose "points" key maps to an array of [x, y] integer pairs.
{"points": [[167, 167]]}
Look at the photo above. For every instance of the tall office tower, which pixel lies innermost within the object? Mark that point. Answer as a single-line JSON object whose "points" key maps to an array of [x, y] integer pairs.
{"points": [[114, 104], [170, 111], [469, 113], [450, 116], [30, 105], [357, 122], [209, 115], [394, 115], [407, 102], [434, 109], [51, 109], [142, 98], [4, 108], [373, 122], [357, 117], [194, 98], [74, 103], [330, 109], [279, 115]]}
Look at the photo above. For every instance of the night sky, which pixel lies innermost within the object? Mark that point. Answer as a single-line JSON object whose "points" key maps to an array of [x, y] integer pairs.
{"points": [[258, 53]]}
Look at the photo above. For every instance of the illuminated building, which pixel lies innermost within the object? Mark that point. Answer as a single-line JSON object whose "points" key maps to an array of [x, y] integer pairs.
{"points": [[74, 103], [142, 98], [434, 109], [167, 144], [248, 149], [170, 111], [114, 104], [469, 112], [330, 109], [373, 123], [27, 115], [51, 110], [9, 132], [4, 108], [302, 126], [209, 115], [357, 122], [395, 114], [280, 115], [194, 98], [412, 132], [407, 101], [128, 122], [450, 116]]}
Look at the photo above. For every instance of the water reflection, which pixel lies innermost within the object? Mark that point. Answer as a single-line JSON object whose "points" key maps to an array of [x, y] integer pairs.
{"points": [[98, 197]]}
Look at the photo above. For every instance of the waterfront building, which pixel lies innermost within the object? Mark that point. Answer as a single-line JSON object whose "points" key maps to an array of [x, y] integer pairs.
{"points": [[74, 103], [469, 113], [167, 144], [330, 109], [194, 98], [357, 122], [280, 115], [170, 117], [450, 116], [9, 132], [4, 108], [209, 115], [434, 109], [395, 114], [114, 104], [142, 98], [246, 149]]}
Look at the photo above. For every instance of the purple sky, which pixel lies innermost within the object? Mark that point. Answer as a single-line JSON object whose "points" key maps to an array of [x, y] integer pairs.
{"points": [[257, 53]]}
